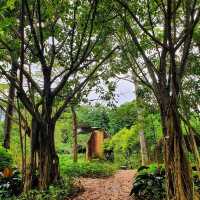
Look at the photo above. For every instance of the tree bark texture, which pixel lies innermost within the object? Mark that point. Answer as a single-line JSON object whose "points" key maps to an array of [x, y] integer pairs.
{"points": [[74, 125], [9, 109], [143, 148], [177, 167], [143, 144], [44, 166]]}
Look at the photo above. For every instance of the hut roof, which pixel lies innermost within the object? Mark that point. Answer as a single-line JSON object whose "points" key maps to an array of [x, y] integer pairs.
{"points": [[106, 134], [83, 128]]}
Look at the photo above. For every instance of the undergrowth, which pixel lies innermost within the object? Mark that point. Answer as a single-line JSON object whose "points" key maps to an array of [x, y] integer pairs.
{"points": [[85, 168]]}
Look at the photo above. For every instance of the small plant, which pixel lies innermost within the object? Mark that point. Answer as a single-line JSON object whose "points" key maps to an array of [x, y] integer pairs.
{"points": [[196, 180], [149, 184], [10, 185], [196, 183], [58, 191]]}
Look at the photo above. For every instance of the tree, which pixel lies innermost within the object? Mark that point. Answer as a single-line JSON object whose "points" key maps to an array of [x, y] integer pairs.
{"points": [[64, 42], [160, 56], [94, 116], [143, 143], [75, 134], [122, 116], [9, 109], [7, 54], [143, 148]]}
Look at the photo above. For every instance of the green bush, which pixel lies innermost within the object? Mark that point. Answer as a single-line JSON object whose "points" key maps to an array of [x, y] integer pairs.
{"points": [[125, 145], [10, 186], [55, 192], [149, 183], [85, 168], [5, 159]]}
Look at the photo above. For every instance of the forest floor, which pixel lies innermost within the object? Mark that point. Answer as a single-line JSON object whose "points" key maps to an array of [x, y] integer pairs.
{"points": [[116, 187]]}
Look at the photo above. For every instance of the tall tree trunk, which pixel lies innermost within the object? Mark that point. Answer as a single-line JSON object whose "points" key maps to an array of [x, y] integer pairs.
{"points": [[44, 159], [178, 170], [48, 159], [8, 118], [143, 144], [9, 109], [143, 148], [74, 124]]}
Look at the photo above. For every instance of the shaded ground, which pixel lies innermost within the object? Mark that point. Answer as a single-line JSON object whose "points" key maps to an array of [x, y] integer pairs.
{"points": [[116, 187]]}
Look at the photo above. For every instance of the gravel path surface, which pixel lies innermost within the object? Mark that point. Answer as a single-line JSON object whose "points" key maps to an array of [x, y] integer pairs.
{"points": [[116, 187]]}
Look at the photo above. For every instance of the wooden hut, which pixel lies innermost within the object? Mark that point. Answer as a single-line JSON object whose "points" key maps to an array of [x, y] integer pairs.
{"points": [[94, 147]]}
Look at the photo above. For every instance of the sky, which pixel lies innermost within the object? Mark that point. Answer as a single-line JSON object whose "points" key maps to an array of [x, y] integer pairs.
{"points": [[124, 93], [124, 90]]}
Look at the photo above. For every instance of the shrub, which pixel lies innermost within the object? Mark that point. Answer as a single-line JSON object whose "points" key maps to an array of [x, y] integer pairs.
{"points": [[5, 159], [55, 192], [126, 148], [149, 184], [85, 168], [10, 185]]}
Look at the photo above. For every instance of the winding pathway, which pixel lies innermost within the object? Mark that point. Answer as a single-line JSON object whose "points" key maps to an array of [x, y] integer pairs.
{"points": [[116, 187]]}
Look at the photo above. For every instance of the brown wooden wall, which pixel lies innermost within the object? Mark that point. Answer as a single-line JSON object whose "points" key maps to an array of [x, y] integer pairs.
{"points": [[95, 145]]}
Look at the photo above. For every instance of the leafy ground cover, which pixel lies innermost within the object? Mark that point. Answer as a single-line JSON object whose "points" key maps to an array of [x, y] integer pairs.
{"points": [[59, 191], [10, 187], [150, 183], [83, 168]]}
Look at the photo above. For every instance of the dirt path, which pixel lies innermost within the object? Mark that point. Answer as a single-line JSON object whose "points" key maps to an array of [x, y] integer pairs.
{"points": [[116, 187]]}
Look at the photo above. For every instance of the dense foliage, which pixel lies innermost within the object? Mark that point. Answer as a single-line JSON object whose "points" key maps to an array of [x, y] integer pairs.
{"points": [[111, 119], [55, 54], [10, 186], [5, 159], [85, 168], [149, 183], [125, 145], [57, 191]]}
